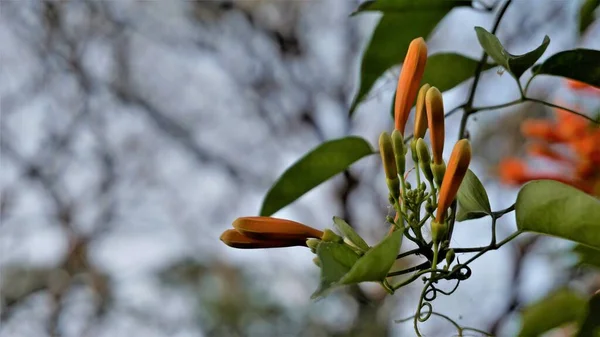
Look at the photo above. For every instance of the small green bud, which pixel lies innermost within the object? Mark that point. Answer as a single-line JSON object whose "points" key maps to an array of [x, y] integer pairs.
{"points": [[438, 231], [429, 207], [413, 150], [316, 261], [394, 187], [438, 171], [391, 199], [408, 186], [450, 255], [424, 159], [423, 187], [330, 236], [312, 244], [389, 219], [399, 151], [386, 149]]}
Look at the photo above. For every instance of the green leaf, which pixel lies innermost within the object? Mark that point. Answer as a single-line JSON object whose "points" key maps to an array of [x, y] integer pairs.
{"points": [[587, 256], [515, 64], [317, 166], [336, 260], [447, 70], [392, 36], [590, 326], [560, 307], [376, 263], [578, 64], [348, 232], [553, 208], [473, 202], [586, 14], [400, 6]]}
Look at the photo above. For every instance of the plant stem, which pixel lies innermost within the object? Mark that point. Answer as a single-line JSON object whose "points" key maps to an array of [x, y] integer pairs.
{"points": [[486, 248], [499, 214], [408, 253], [469, 105], [422, 266], [562, 108]]}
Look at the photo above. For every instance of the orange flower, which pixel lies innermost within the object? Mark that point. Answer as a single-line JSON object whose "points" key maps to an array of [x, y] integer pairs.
{"points": [[455, 172], [409, 81], [584, 87], [545, 151], [540, 129], [570, 134], [421, 113], [267, 232], [435, 118]]}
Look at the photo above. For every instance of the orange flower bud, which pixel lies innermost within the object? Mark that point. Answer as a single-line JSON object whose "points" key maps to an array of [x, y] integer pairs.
{"points": [[421, 113], [435, 118], [455, 172], [409, 81], [235, 239], [267, 228]]}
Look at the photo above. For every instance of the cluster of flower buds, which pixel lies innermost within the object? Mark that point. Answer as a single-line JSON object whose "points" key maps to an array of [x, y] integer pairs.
{"points": [[429, 114]]}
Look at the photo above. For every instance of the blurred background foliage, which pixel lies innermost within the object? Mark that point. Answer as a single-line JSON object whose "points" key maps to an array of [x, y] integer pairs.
{"points": [[133, 132]]}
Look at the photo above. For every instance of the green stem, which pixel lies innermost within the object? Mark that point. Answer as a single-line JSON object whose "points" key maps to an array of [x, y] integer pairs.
{"points": [[421, 266], [490, 247], [499, 214], [562, 108], [499, 106], [408, 253]]}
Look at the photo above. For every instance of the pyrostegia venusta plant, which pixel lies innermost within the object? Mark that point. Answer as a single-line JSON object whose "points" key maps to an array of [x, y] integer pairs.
{"points": [[425, 212]]}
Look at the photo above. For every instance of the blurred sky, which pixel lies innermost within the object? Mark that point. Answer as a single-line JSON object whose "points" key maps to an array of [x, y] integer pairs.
{"points": [[154, 124]]}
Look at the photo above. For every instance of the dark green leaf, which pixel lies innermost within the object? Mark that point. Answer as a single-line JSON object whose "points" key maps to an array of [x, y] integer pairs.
{"points": [[515, 64], [447, 70], [336, 260], [586, 14], [591, 324], [375, 264], [553, 208], [472, 198], [392, 36], [560, 307], [588, 256], [347, 231], [400, 6], [577, 64], [322, 163]]}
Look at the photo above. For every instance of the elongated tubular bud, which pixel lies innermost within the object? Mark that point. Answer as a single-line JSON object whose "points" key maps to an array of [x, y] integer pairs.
{"points": [[455, 172], [399, 151], [262, 227], [409, 81], [235, 239], [424, 159], [386, 149], [435, 117], [421, 113]]}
